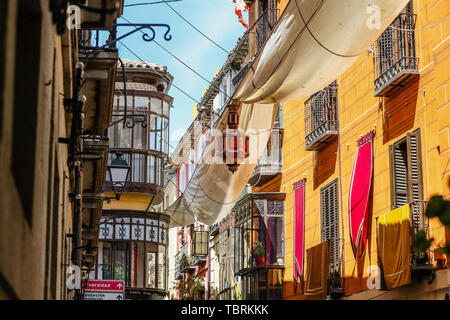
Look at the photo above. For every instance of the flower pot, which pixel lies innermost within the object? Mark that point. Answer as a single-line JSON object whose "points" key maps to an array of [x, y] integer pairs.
{"points": [[260, 261]]}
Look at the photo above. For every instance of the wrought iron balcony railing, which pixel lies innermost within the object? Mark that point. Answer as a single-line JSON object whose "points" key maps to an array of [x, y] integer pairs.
{"points": [[321, 117], [92, 40], [199, 259], [260, 31], [214, 229], [395, 53], [270, 163]]}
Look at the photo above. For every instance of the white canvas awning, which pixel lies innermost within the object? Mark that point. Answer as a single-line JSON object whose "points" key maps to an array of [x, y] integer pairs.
{"points": [[299, 59], [313, 43], [213, 190]]}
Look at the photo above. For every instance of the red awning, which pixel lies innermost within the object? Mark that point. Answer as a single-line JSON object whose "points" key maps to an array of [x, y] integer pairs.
{"points": [[358, 201]]}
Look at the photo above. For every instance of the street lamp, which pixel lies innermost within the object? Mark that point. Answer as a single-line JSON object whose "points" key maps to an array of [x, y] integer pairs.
{"points": [[119, 171]]}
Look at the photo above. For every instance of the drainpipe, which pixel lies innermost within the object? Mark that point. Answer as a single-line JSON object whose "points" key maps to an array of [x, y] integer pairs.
{"points": [[77, 217], [341, 201]]}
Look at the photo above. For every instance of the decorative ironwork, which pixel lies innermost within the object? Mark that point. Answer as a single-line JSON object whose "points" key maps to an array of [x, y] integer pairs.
{"points": [[122, 230], [137, 231], [145, 36], [275, 208], [131, 120], [261, 30], [110, 45], [321, 117], [395, 53]]}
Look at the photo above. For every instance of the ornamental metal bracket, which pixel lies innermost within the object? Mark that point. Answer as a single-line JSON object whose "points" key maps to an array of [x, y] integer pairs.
{"points": [[139, 27], [108, 199], [131, 120]]}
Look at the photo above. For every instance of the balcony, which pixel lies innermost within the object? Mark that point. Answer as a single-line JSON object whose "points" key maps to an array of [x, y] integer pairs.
{"points": [[395, 54], [260, 31], [98, 87], [421, 264], [199, 259], [214, 230], [100, 14], [183, 261], [321, 118], [270, 163]]}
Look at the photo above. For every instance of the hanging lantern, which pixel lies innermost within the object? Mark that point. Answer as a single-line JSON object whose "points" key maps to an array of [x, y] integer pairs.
{"points": [[235, 141]]}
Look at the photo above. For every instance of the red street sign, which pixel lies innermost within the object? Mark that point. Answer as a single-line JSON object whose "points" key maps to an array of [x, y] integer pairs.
{"points": [[105, 285]]}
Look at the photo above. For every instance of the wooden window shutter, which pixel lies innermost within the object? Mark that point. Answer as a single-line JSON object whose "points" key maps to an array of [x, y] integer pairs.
{"points": [[330, 222], [415, 189], [399, 179]]}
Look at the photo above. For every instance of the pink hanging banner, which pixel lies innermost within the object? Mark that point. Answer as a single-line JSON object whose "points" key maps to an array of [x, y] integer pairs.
{"points": [[358, 200], [299, 230]]}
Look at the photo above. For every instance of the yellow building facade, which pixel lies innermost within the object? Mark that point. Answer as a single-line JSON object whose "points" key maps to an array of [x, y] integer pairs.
{"points": [[421, 104]]}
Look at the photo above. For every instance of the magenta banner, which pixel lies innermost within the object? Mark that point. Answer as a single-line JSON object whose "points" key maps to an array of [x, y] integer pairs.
{"points": [[358, 201], [299, 229]]}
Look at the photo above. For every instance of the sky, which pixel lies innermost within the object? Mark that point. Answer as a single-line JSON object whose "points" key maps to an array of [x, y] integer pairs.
{"points": [[215, 18]]}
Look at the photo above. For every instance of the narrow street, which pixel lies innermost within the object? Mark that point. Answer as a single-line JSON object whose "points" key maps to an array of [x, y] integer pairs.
{"points": [[250, 151]]}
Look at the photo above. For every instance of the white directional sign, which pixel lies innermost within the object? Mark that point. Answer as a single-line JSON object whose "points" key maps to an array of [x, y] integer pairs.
{"points": [[103, 296]]}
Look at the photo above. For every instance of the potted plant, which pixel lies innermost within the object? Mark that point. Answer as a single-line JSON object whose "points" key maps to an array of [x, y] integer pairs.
{"points": [[259, 253]]}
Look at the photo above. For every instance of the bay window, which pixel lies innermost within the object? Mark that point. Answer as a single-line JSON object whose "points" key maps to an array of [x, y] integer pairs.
{"points": [[134, 250], [259, 244]]}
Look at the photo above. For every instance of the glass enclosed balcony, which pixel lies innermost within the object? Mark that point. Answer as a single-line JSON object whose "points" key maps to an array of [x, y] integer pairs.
{"points": [[133, 248], [142, 139]]}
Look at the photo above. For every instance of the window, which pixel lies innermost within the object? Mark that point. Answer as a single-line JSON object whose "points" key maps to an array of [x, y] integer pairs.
{"points": [[107, 261], [166, 109], [151, 269], [139, 258], [121, 102], [165, 136], [406, 176], [123, 136], [330, 222], [259, 235], [122, 262], [200, 243], [139, 137], [138, 168], [156, 105], [141, 103], [161, 267]]}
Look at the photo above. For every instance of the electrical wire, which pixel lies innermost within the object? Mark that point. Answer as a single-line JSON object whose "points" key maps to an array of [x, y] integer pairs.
{"points": [[179, 60], [420, 29], [181, 90], [149, 3], [182, 17]]}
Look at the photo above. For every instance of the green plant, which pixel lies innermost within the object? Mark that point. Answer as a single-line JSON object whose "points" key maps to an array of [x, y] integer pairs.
{"points": [[188, 287], [440, 208], [258, 250], [420, 242]]}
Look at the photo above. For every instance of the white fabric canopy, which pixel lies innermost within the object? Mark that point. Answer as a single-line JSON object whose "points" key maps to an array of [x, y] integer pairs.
{"points": [[213, 190], [297, 60]]}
